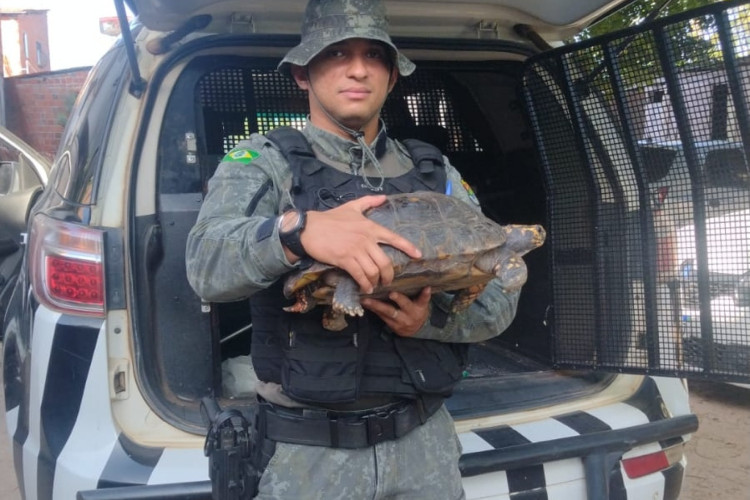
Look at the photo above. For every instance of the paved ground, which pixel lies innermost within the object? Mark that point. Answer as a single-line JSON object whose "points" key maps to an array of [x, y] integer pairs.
{"points": [[718, 454]]}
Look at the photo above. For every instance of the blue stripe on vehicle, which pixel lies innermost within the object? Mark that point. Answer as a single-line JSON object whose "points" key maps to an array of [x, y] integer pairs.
{"points": [[527, 483], [70, 359], [583, 423], [502, 437], [129, 464]]}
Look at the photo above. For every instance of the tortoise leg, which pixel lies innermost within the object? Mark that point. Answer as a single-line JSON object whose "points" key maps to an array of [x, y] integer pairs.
{"points": [[346, 298], [305, 302], [512, 273], [334, 321], [463, 298]]}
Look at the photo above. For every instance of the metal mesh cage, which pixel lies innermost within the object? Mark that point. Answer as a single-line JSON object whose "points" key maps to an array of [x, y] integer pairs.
{"points": [[644, 139], [244, 100]]}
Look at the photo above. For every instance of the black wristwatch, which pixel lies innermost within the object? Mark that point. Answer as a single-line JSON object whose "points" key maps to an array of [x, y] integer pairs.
{"points": [[291, 238]]}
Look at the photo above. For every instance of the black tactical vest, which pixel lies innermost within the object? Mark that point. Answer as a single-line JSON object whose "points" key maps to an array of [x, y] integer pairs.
{"points": [[316, 365]]}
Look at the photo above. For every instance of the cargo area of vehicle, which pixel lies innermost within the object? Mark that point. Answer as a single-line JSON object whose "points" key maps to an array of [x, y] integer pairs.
{"points": [[472, 111]]}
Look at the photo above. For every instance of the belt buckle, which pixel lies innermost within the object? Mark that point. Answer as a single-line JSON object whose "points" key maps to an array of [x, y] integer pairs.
{"points": [[381, 427]]}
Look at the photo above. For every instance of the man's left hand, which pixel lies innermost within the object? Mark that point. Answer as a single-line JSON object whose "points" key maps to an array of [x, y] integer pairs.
{"points": [[403, 315]]}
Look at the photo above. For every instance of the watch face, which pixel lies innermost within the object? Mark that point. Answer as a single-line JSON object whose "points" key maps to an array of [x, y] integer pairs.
{"points": [[298, 222], [291, 238]]}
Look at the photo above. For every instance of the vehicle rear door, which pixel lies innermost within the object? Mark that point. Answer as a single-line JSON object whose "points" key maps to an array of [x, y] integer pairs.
{"points": [[23, 174], [646, 281]]}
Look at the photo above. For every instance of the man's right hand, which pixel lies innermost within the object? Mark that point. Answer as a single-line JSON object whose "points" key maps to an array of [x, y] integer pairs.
{"points": [[345, 238]]}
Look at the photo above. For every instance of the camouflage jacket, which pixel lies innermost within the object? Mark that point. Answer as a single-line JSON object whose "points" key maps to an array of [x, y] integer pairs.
{"points": [[226, 262]]}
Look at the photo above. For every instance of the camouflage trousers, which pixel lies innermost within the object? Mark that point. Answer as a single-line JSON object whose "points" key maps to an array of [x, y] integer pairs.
{"points": [[421, 465]]}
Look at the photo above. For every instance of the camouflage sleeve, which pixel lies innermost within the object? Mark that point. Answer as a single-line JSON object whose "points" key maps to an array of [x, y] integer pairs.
{"points": [[233, 250], [489, 315]]}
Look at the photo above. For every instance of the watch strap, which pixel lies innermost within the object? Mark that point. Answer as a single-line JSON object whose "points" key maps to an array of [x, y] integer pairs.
{"points": [[292, 238]]}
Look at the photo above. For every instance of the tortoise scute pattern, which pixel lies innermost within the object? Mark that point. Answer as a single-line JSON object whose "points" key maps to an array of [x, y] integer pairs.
{"points": [[441, 226], [462, 250]]}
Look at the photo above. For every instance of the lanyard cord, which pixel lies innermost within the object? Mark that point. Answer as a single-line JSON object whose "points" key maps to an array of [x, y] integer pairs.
{"points": [[358, 136]]}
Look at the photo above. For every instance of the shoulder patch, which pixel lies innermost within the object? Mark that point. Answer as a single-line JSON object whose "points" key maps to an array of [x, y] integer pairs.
{"points": [[241, 155], [470, 192]]}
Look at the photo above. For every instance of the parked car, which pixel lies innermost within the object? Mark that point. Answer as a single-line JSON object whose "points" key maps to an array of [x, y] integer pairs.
{"points": [[727, 296], [108, 352], [721, 164], [721, 176], [23, 175]]}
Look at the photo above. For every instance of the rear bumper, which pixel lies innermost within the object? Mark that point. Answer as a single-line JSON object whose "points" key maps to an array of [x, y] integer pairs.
{"points": [[599, 451]]}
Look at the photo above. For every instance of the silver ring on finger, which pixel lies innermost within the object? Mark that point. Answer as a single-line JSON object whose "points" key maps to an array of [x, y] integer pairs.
{"points": [[395, 314]]}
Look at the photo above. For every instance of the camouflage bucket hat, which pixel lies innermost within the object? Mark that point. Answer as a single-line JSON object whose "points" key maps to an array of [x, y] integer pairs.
{"points": [[331, 21]]}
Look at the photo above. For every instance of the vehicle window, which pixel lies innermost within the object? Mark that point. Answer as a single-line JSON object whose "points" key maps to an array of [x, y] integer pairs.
{"points": [[86, 132]]}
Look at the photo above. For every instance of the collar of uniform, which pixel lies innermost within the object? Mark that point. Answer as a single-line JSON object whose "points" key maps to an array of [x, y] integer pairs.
{"points": [[342, 150]]}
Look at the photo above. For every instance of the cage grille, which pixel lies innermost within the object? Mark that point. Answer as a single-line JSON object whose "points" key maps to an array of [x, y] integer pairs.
{"points": [[644, 139], [252, 99]]}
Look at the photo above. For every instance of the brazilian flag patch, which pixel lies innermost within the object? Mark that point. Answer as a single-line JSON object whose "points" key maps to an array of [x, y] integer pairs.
{"points": [[241, 155]]}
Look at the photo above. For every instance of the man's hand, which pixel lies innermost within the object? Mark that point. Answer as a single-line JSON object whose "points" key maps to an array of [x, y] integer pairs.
{"points": [[345, 238], [404, 316]]}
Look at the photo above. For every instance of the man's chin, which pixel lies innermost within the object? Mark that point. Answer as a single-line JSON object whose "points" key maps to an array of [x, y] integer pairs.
{"points": [[353, 124], [356, 121]]}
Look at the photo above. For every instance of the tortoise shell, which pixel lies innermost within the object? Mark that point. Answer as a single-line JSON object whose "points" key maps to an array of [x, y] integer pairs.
{"points": [[461, 249]]}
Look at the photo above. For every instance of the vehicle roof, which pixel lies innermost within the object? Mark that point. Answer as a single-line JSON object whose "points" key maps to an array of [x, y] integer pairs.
{"points": [[553, 19]]}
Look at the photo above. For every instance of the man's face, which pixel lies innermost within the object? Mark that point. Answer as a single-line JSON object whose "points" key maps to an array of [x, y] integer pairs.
{"points": [[351, 80]]}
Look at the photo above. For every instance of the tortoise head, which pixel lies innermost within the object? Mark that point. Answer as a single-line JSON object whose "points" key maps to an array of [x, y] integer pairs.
{"points": [[524, 238]]}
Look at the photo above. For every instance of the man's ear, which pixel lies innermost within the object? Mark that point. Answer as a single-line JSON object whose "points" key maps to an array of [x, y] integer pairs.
{"points": [[393, 79], [299, 73]]}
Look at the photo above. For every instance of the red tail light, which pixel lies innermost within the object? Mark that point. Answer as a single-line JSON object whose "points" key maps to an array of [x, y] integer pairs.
{"points": [[653, 462], [66, 266]]}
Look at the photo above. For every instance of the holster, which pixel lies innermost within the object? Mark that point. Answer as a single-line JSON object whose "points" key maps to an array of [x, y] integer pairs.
{"points": [[229, 448]]}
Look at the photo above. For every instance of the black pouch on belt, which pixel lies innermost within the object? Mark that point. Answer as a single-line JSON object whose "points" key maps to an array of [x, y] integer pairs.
{"points": [[433, 367]]}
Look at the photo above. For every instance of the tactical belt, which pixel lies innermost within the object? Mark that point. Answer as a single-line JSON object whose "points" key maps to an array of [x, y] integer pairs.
{"points": [[359, 429]]}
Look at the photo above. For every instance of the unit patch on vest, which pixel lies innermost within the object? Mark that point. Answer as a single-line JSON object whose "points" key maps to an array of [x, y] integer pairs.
{"points": [[241, 155], [470, 192]]}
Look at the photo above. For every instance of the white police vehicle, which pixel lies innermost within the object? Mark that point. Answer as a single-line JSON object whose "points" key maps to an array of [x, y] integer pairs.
{"points": [[107, 351]]}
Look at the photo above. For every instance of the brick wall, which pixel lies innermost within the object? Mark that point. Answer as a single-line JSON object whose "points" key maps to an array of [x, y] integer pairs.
{"points": [[34, 24], [38, 105]]}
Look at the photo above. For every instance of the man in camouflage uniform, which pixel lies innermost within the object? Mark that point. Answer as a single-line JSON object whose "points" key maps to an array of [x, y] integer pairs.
{"points": [[314, 442]]}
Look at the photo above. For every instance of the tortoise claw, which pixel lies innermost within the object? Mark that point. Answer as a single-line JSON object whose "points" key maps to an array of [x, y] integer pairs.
{"points": [[512, 274], [346, 298], [305, 302]]}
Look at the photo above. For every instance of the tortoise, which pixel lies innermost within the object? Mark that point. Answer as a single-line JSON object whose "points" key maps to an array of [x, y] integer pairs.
{"points": [[462, 250]]}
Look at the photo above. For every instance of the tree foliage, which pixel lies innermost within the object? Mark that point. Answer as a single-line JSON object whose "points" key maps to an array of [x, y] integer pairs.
{"points": [[636, 12], [692, 44]]}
